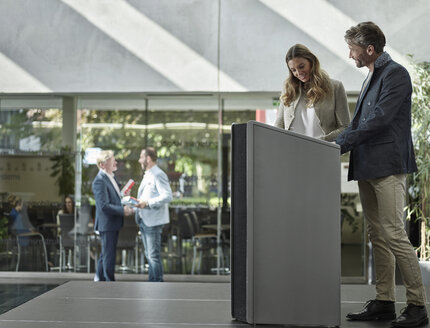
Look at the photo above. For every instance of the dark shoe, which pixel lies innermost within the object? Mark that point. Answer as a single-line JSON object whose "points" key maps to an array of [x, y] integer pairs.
{"points": [[411, 316], [374, 310]]}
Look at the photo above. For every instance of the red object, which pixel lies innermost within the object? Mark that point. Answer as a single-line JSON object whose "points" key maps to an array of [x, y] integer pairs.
{"points": [[127, 187], [260, 115]]}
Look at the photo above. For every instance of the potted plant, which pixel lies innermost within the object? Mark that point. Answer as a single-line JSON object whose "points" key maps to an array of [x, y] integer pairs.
{"points": [[6, 243], [419, 188], [63, 169]]}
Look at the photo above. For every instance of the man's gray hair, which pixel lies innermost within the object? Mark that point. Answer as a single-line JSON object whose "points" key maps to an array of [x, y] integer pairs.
{"points": [[103, 156]]}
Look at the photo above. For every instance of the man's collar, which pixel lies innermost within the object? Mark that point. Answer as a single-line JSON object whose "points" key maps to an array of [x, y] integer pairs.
{"points": [[382, 60], [151, 169], [111, 175]]}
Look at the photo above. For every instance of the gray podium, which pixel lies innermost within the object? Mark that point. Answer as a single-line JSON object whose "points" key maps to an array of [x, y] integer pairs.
{"points": [[285, 227]]}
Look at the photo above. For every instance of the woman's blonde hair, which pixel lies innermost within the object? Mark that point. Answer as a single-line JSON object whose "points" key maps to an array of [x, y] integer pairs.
{"points": [[103, 156], [318, 85]]}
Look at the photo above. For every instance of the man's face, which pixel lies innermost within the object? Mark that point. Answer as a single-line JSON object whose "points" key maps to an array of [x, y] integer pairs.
{"points": [[359, 54], [143, 160], [110, 165]]}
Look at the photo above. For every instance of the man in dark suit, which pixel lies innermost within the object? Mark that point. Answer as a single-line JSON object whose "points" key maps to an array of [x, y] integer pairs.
{"points": [[379, 139], [109, 214]]}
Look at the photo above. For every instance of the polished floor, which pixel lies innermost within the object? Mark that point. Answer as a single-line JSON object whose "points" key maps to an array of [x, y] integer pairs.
{"points": [[178, 302], [15, 294]]}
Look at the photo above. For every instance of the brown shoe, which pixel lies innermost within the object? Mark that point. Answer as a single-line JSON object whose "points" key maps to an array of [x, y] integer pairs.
{"points": [[374, 310]]}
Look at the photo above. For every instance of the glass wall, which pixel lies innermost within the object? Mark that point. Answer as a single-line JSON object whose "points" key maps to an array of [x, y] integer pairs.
{"points": [[48, 152], [191, 137], [354, 242], [30, 135], [41, 166]]}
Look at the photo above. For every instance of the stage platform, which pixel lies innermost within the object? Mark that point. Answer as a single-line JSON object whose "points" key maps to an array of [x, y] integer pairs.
{"points": [[121, 304]]}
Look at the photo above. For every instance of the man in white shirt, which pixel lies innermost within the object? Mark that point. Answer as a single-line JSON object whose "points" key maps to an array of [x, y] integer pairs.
{"points": [[154, 195]]}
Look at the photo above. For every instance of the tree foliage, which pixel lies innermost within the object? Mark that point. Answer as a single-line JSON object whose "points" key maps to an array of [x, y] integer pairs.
{"points": [[420, 185], [24, 123]]}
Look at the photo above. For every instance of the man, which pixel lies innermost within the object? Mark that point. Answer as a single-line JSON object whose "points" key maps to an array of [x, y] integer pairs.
{"points": [[109, 214], [379, 138], [154, 195]]}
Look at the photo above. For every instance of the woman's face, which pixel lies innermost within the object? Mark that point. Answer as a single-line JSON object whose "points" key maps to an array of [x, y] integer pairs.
{"points": [[300, 68], [69, 205]]}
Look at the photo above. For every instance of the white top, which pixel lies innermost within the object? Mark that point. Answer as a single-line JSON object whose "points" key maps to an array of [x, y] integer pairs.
{"points": [[365, 83], [306, 120], [114, 183], [155, 189]]}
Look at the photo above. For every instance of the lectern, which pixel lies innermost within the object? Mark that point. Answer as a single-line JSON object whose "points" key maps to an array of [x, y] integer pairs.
{"points": [[285, 227]]}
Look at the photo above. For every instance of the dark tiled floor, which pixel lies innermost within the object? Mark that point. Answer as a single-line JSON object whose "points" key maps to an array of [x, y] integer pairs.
{"points": [[15, 294], [155, 305]]}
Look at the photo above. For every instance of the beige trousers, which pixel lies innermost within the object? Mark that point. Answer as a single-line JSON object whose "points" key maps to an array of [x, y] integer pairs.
{"points": [[383, 202]]}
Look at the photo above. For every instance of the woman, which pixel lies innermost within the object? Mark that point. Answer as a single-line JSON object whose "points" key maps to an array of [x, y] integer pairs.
{"points": [[20, 224], [311, 103], [68, 208], [15, 214], [18, 215]]}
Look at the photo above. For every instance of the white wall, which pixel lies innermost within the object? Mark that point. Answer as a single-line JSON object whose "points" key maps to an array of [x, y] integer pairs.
{"points": [[28, 177], [76, 46]]}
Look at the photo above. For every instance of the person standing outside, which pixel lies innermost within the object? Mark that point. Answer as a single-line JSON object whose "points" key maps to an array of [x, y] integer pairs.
{"points": [[379, 139], [311, 103], [153, 212], [109, 214]]}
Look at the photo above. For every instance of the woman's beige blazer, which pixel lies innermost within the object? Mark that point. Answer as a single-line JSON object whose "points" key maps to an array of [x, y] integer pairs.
{"points": [[332, 111]]}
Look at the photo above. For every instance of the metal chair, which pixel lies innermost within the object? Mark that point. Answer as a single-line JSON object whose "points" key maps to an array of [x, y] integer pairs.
{"points": [[203, 240], [170, 248], [66, 241], [93, 250], [186, 234], [128, 239], [27, 240]]}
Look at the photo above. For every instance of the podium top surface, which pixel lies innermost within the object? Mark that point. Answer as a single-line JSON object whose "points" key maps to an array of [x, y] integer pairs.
{"points": [[251, 124]]}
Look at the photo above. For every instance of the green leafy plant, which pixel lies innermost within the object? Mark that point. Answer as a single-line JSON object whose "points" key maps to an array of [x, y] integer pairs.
{"points": [[349, 210], [4, 227], [63, 169], [419, 190], [4, 232]]}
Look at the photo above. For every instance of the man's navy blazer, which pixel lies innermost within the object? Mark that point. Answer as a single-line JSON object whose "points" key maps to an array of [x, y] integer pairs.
{"points": [[379, 135], [109, 211]]}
